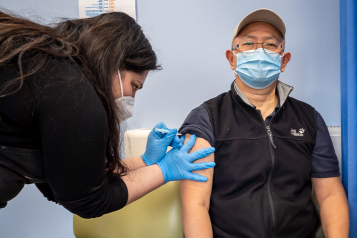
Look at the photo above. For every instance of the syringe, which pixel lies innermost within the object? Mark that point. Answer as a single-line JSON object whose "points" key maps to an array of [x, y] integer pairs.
{"points": [[163, 131]]}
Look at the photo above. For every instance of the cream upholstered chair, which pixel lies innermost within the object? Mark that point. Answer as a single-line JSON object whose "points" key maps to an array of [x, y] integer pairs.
{"points": [[156, 215]]}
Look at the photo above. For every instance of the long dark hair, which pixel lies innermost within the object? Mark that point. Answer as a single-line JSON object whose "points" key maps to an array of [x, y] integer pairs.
{"points": [[100, 45]]}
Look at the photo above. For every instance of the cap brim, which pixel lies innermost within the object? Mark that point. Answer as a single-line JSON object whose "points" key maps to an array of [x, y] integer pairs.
{"points": [[263, 15]]}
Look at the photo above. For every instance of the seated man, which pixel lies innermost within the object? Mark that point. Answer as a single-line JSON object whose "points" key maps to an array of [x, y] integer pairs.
{"points": [[271, 149]]}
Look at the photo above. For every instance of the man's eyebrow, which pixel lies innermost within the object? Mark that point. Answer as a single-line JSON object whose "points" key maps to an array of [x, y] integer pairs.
{"points": [[250, 36], [270, 38], [265, 38]]}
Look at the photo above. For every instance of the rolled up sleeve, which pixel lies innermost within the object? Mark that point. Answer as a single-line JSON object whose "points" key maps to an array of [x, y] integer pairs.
{"points": [[198, 123]]}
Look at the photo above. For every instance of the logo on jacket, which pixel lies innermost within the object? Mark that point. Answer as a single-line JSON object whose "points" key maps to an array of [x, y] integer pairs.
{"points": [[300, 133]]}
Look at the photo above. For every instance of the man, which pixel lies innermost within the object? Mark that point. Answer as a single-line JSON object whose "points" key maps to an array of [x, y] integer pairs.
{"points": [[271, 149]]}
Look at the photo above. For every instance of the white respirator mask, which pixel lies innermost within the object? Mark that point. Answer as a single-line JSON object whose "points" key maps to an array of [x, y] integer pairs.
{"points": [[126, 103]]}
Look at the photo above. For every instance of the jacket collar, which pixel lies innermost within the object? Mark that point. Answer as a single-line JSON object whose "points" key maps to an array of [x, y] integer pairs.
{"points": [[284, 91]]}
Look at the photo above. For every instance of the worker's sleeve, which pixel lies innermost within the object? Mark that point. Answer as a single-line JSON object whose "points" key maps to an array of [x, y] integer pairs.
{"points": [[199, 123], [74, 131], [324, 160]]}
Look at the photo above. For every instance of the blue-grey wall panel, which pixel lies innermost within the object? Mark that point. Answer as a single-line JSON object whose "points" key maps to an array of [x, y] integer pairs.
{"points": [[191, 37]]}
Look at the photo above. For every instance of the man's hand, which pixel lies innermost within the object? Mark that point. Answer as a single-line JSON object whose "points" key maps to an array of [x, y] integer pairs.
{"points": [[334, 212]]}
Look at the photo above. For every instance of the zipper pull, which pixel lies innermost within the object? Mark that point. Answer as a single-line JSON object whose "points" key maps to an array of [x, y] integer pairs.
{"points": [[271, 137]]}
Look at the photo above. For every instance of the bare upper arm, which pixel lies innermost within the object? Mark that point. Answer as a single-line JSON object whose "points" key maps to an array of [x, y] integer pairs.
{"points": [[198, 193], [325, 187]]}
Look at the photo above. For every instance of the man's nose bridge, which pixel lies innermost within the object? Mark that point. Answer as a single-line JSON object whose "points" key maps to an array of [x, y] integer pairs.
{"points": [[262, 45]]}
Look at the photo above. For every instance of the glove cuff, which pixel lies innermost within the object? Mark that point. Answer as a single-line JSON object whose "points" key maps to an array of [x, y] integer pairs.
{"points": [[162, 167], [146, 160]]}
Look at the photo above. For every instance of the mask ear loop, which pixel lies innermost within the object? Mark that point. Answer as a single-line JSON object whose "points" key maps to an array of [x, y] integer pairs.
{"points": [[235, 53], [121, 86]]}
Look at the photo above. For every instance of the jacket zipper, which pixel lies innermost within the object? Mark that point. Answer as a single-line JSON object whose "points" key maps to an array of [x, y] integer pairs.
{"points": [[270, 136], [271, 144]]}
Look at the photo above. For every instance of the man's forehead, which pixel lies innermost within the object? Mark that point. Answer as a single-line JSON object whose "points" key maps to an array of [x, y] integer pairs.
{"points": [[256, 29]]}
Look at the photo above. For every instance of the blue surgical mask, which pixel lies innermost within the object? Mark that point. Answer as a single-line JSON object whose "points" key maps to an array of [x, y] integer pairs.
{"points": [[258, 70]]}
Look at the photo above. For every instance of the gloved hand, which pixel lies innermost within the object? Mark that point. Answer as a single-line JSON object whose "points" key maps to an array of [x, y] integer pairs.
{"points": [[157, 144], [177, 164], [177, 142]]}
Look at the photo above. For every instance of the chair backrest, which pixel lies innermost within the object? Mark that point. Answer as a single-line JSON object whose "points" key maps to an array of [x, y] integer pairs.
{"points": [[156, 215]]}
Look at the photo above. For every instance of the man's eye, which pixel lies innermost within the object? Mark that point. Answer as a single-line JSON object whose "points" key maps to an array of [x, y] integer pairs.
{"points": [[248, 43], [271, 45], [134, 87]]}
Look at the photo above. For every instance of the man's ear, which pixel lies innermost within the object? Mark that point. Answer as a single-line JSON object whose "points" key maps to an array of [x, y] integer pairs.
{"points": [[232, 59], [284, 61]]}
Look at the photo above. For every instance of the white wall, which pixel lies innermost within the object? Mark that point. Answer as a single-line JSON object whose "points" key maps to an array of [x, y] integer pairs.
{"points": [[190, 38]]}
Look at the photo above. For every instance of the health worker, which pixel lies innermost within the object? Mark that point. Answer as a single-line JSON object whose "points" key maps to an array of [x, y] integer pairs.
{"points": [[64, 91]]}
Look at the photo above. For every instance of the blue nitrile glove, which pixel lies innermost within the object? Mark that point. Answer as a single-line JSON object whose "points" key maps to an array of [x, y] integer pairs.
{"points": [[157, 144], [177, 164], [177, 142]]}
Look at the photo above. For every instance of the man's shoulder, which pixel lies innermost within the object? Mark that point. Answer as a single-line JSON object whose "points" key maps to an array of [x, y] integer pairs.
{"points": [[216, 99], [200, 110], [300, 103]]}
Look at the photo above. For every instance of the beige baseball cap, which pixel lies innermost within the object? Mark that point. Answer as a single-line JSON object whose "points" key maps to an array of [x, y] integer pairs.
{"points": [[264, 15]]}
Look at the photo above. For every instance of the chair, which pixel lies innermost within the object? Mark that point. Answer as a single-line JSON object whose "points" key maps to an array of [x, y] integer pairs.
{"points": [[156, 215]]}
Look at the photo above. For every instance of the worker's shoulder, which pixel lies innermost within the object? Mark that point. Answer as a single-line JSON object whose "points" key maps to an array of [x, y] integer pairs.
{"points": [[62, 66], [48, 64], [58, 72]]}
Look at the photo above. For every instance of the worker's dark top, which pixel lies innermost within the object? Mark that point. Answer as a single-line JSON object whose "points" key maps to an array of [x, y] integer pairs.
{"points": [[54, 132]]}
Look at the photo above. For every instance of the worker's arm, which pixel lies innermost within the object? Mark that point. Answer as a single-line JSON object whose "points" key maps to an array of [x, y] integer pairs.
{"points": [[196, 198], [134, 163], [142, 181], [334, 211]]}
